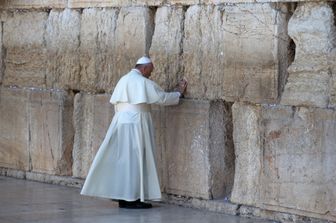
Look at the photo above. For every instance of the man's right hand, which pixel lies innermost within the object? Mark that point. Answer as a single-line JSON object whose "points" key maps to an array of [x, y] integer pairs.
{"points": [[182, 86]]}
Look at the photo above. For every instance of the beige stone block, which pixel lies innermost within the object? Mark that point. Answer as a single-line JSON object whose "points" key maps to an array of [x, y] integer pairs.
{"points": [[310, 82], [184, 2], [98, 3], [166, 48], [36, 133], [248, 150], [62, 40], [25, 59], [92, 117], [289, 168], [135, 27], [97, 49], [14, 131], [112, 3], [1, 56], [237, 56], [33, 4], [51, 132], [197, 153]]}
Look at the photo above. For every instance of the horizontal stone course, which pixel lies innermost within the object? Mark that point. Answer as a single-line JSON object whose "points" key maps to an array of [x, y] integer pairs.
{"points": [[35, 4]]}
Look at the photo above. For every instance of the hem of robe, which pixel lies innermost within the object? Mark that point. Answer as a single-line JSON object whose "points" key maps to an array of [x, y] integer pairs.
{"points": [[122, 198]]}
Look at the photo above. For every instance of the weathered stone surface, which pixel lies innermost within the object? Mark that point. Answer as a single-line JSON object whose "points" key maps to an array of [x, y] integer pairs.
{"points": [[62, 40], [14, 131], [196, 156], [238, 56], [288, 165], [158, 116], [36, 133], [51, 132], [247, 143], [42, 177], [37, 4], [25, 59], [166, 48], [92, 117], [114, 3], [309, 83], [97, 49], [135, 27], [1, 56], [98, 3], [108, 48], [23, 4]]}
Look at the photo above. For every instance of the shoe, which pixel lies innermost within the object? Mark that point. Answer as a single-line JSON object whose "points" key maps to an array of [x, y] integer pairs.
{"points": [[134, 204]]}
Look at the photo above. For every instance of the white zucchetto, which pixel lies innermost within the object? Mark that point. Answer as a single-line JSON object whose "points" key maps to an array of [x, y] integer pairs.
{"points": [[144, 60]]}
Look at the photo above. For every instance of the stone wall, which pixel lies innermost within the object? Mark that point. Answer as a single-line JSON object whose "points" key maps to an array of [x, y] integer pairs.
{"points": [[257, 125]]}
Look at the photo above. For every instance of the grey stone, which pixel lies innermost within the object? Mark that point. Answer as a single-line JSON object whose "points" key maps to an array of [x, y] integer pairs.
{"points": [[134, 31], [62, 40], [166, 48], [287, 167], [1, 56], [37, 132], [247, 144], [51, 132], [32, 4], [92, 117], [312, 29], [237, 57], [25, 59], [14, 131], [195, 156], [97, 49]]}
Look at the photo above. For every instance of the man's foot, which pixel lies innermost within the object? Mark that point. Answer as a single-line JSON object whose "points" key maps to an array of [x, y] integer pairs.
{"points": [[134, 204]]}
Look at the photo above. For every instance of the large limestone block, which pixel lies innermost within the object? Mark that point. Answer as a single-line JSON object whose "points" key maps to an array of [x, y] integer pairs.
{"points": [[62, 40], [92, 117], [114, 3], [135, 28], [14, 131], [166, 48], [312, 29], [158, 115], [198, 155], [51, 132], [237, 55], [1, 56], [36, 130], [247, 144], [284, 159], [97, 50], [32, 4], [24, 40]]}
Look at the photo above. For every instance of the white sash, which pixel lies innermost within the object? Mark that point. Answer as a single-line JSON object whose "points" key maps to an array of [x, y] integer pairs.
{"points": [[120, 107]]}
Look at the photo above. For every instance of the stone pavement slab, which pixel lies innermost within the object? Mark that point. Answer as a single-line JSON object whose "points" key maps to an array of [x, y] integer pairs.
{"points": [[27, 201]]}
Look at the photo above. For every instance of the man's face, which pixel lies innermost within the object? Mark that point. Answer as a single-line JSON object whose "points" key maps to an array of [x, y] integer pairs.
{"points": [[148, 70]]}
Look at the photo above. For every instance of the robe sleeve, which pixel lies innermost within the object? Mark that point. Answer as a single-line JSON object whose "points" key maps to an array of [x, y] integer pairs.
{"points": [[165, 98]]}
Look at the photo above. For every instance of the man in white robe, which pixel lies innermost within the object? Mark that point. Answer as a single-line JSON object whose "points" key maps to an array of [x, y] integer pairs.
{"points": [[124, 166]]}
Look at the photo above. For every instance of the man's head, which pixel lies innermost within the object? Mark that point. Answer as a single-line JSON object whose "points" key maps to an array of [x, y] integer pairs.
{"points": [[145, 66]]}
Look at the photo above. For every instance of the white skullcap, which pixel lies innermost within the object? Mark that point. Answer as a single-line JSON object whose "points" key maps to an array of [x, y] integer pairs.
{"points": [[144, 60]]}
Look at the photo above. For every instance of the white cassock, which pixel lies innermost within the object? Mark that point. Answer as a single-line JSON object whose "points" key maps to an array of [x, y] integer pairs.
{"points": [[124, 166]]}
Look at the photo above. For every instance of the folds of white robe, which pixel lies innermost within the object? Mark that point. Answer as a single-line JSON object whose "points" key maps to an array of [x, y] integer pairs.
{"points": [[124, 166]]}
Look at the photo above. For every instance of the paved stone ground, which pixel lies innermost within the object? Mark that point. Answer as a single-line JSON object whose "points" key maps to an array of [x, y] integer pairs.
{"points": [[27, 202]]}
